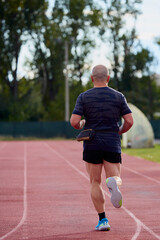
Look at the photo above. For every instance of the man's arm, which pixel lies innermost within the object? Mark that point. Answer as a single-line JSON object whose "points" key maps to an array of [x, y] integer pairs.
{"points": [[76, 121], [127, 124]]}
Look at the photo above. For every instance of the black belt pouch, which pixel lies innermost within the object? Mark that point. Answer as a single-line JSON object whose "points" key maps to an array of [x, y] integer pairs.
{"points": [[87, 134]]}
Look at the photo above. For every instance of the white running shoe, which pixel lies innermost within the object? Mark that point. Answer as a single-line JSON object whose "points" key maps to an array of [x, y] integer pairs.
{"points": [[116, 196]]}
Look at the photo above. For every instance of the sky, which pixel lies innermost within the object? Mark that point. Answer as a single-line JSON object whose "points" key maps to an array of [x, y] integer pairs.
{"points": [[148, 28]]}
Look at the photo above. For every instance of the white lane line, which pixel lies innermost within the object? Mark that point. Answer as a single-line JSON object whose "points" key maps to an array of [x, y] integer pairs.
{"points": [[138, 222], [141, 223], [24, 198], [138, 229], [142, 175]]}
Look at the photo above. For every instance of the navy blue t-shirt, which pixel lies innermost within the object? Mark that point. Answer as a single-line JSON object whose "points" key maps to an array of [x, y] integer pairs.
{"points": [[102, 109]]}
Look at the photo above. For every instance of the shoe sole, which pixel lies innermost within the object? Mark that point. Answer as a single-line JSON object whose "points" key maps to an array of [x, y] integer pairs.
{"points": [[103, 228], [116, 196]]}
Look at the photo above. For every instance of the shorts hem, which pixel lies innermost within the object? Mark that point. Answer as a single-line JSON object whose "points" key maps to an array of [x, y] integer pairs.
{"points": [[97, 156]]}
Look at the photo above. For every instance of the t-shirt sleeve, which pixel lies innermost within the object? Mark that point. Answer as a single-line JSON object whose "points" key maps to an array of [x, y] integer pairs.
{"points": [[124, 106], [78, 109]]}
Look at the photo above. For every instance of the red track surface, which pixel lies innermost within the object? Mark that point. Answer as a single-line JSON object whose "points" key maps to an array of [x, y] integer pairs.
{"points": [[44, 195]]}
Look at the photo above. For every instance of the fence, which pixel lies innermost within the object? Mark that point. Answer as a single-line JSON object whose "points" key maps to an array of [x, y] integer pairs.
{"points": [[156, 128], [50, 129], [38, 129]]}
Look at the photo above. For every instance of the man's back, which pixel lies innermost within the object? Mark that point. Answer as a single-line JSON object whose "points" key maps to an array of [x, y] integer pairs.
{"points": [[102, 108]]}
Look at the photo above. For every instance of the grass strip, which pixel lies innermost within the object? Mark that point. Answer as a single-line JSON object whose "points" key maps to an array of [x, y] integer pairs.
{"points": [[152, 154]]}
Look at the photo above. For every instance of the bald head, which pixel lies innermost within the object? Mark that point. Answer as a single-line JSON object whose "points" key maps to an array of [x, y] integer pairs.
{"points": [[99, 73]]}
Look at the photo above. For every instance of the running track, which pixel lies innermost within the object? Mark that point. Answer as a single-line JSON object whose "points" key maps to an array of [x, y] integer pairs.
{"points": [[44, 195]]}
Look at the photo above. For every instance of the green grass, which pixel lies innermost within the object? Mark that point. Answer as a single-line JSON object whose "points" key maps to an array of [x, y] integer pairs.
{"points": [[152, 154]]}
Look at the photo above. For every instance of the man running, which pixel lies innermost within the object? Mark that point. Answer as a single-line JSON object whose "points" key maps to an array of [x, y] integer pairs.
{"points": [[102, 108]]}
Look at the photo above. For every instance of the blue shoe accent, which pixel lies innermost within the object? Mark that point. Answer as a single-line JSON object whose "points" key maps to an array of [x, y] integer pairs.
{"points": [[103, 225]]}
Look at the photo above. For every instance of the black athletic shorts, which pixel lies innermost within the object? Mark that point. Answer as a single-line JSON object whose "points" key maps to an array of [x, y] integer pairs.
{"points": [[97, 156]]}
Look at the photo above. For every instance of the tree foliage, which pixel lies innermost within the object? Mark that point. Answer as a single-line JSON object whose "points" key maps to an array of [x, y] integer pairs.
{"points": [[76, 23], [130, 61], [17, 19]]}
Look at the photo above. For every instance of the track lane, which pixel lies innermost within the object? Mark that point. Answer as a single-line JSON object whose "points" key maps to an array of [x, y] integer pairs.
{"points": [[12, 197], [57, 194], [138, 200]]}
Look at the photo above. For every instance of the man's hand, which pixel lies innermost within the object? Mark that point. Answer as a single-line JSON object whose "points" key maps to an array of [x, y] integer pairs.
{"points": [[82, 123], [76, 121]]}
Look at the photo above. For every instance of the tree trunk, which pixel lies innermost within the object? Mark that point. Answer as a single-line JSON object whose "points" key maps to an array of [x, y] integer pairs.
{"points": [[116, 62], [150, 98], [14, 72], [44, 83]]}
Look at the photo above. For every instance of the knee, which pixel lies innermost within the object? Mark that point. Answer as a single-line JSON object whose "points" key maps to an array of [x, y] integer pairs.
{"points": [[95, 180]]}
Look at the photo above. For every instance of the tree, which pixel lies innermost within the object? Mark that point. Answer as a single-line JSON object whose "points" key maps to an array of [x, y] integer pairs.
{"points": [[70, 23], [28, 106], [158, 41], [17, 19], [116, 11], [129, 70], [144, 60], [76, 23], [76, 18]]}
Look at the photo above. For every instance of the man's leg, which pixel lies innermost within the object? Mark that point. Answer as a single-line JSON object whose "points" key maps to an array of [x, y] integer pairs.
{"points": [[97, 194], [112, 169], [113, 181]]}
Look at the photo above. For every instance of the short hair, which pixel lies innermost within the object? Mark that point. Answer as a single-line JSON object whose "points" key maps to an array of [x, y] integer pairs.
{"points": [[100, 72]]}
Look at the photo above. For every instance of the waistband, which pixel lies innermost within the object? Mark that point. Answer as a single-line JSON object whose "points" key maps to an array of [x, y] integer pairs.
{"points": [[106, 130]]}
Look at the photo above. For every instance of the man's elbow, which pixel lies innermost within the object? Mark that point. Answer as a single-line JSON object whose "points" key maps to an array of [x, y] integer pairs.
{"points": [[72, 122], [130, 122]]}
